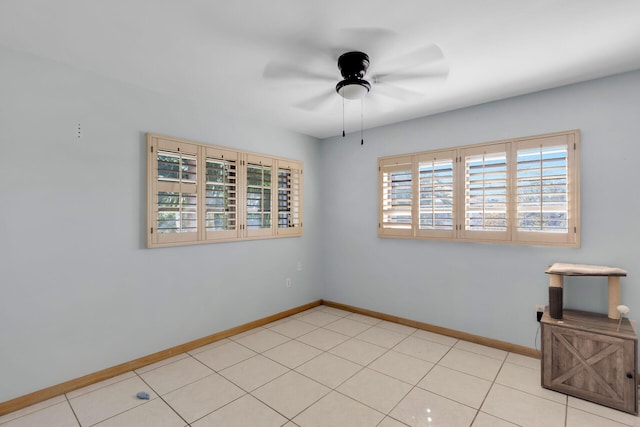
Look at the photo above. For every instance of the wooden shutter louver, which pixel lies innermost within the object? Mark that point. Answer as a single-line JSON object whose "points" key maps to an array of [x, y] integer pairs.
{"points": [[436, 195], [396, 197], [175, 192], [259, 196], [486, 203], [221, 194], [289, 198], [542, 190], [545, 183]]}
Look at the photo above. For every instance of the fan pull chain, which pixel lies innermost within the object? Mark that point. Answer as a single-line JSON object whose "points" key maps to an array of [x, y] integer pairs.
{"points": [[343, 134], [361, 121]]}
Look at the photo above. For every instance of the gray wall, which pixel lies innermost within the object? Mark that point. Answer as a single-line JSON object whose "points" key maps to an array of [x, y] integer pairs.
{"points": [[80, 292], [487, 289]]}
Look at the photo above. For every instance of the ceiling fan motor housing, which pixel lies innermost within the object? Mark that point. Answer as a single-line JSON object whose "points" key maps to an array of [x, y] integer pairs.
{"points": [[353, 67]]}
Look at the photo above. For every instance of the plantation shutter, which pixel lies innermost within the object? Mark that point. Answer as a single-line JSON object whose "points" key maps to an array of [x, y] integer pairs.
{"points": [[199, 193], [395, 178], [221, 194], [259, 196], [436, 195], [174, 185], [544, 179], [289, 197], [486, 202], [525, 191]]}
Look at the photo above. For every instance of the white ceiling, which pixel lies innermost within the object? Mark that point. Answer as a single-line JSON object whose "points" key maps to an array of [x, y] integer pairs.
{"points": [[215, 52]]}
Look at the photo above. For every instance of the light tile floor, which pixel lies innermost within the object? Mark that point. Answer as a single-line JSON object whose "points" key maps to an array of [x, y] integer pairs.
{"points": [[327, 367]]}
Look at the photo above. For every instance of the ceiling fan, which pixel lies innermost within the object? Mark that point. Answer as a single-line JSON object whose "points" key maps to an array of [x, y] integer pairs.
{"points": [[353, 66], [398, 77]]}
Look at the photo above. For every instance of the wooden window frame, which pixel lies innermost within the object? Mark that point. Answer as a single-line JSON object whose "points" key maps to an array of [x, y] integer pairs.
{"points": [[232, 189], [500, 182]]}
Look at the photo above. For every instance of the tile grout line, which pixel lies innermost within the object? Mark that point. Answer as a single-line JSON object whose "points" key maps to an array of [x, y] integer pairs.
{"points": [[217, 409], [295, 415], [100, 388], [72, 410], [324, 352], [162, 398], [414, 386], [250, 393], [213, 371], [489, 391]]}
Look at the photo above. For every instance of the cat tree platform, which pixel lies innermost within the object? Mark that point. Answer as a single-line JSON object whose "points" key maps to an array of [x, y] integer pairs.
{"points": [[558, 270]]}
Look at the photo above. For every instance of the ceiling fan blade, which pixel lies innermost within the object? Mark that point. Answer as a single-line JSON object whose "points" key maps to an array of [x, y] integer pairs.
{"points": [[433, 75], [318, 102], [425, 55], [282, 71], [397, 93], [428, 57]]}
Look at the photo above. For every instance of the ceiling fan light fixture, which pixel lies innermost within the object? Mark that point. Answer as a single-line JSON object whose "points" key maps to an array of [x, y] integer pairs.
{"points": [[353, 88], [353, 66]]}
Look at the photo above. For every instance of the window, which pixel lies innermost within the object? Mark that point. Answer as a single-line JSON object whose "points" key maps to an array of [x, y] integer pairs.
{"points": [[485, 193], [547, 203], [200, 193], [258, 196], [396, 183], [435, 194], [175, 192], [524, 190], [289, 198], [221, 194]]}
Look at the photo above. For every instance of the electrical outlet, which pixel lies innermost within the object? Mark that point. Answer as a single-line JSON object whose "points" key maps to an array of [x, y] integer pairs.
{"points": [[539, 307], [287, 282], [539, 311]]}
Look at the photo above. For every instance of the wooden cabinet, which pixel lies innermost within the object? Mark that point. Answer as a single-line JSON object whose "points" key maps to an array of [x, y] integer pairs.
{"points": [[584, 355]]}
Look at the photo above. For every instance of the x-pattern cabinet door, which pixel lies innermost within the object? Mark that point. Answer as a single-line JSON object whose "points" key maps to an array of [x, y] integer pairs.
{"points": [[587, 362]]}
